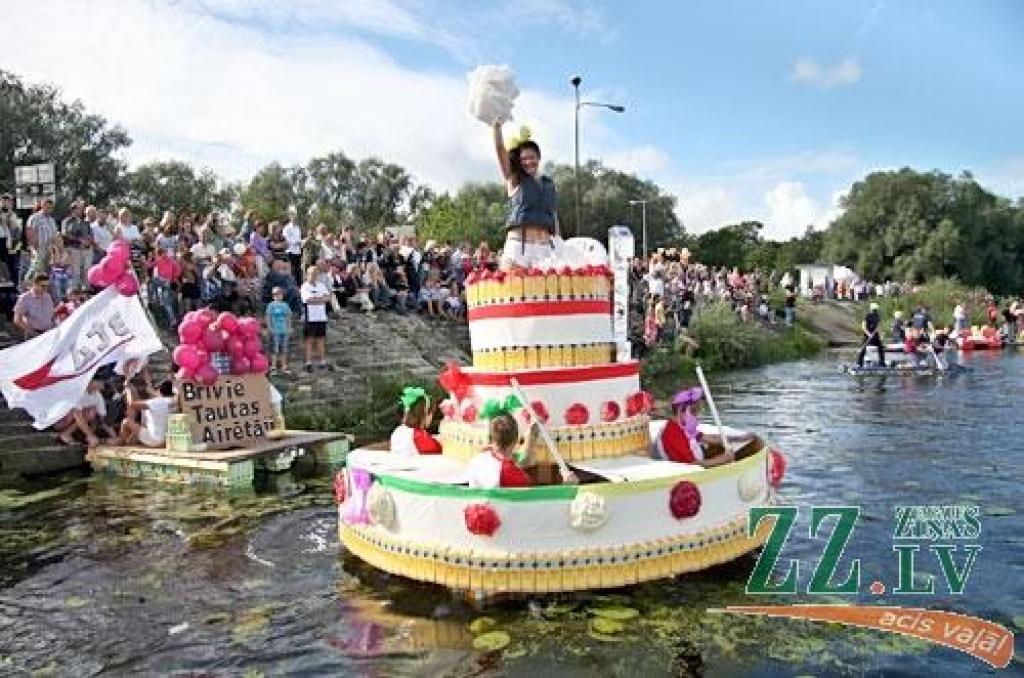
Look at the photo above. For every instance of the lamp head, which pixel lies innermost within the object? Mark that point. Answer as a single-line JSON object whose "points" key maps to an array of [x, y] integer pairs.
{"points": [[617, 108], [576, 80]]}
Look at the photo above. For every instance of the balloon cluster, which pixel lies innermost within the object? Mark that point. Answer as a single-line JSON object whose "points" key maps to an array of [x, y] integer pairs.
{"points": [[204, 333], [115, 269]]}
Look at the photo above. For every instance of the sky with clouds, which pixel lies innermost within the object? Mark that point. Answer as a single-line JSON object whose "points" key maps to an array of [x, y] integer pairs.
{"points": [[743, 110]]}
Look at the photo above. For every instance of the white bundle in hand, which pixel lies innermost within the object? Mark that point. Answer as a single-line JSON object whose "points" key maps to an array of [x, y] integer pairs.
{"points": [[492, 93]]}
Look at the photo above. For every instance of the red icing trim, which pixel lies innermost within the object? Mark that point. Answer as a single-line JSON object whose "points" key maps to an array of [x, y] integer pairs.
{"points": [[524, 309], [554, 375]]}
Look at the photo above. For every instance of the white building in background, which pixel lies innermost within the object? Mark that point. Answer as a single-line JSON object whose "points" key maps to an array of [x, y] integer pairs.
{"points": [[822, 277]]}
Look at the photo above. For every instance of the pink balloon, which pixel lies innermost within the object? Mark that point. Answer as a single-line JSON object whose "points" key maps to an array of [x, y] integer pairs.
{"points": [[185, 356], [128, 285], [228, 321], [207, 375], [190, 331], [259, 364], [249, 327], [113, 267], [203, 355], [120, 251], [236, 347], [206, 317], [97, 276], [186, 374], [213, 340], [253, 348], [240, 365]]}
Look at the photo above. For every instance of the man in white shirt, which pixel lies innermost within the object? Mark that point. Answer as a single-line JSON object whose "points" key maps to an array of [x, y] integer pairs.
{"points": [[39, 230], [125, 228], [101, 235], [315, 297], [154, 414], [293, 236]]}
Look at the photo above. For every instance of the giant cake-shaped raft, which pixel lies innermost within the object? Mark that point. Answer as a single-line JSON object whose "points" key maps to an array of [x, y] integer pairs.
{"points": [[551, 332], [558, 333]]}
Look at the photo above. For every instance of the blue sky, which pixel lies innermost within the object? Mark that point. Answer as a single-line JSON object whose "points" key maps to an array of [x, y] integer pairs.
{"points": [[765, 110]]}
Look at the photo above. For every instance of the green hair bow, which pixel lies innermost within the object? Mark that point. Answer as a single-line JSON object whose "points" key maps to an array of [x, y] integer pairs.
{"points": [[411, 395], [494, 407], [524, 135]]}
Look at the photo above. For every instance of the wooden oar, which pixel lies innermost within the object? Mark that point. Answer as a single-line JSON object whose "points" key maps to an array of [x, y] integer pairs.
{"points": [[714, 409], [568, 477]]}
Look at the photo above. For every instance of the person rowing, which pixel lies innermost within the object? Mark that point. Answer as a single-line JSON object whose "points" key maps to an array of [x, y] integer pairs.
{"points": [[872, 336]]}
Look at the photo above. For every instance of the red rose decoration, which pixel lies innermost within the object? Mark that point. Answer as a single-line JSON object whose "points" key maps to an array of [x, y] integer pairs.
{"points": [[577, 415], [684, 500], [455, 381], [610, 411], [339, 487], [481, 519], [469, 413], [540, 408], [567, 270], [447, 408], [472, 278], [498, 276], [534, 272], [640, 402], [776, 467]]}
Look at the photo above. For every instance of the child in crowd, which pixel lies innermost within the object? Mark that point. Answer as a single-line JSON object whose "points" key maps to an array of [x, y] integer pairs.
{"points": [[315, 298], [430, 296], [279, 324], [453, 303], [500, 464], [76, 298], [411, 437], [60, 269]]}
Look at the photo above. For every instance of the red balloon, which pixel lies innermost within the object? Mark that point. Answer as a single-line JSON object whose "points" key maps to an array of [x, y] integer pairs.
{"points": [[253, 348], [249, 327], [185, 356], [240, 365], [207, 316], [228, 321], [190, 331], [213, 340], [207, 375], [97, 276], [128, 285], [259, 364], [203, 355], [112, 267], [236, 346], [119, 251], [186, 375]]}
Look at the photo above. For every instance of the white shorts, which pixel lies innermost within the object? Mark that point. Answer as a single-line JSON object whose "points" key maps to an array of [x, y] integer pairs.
{"points": [[515, 253], [150, 440]]}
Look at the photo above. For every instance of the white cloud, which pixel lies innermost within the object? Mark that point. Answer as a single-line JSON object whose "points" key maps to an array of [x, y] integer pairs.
{"points": [[1005, 178], [643, 161], [790, 210], [198, 81], [808, 71], [579, 17]]}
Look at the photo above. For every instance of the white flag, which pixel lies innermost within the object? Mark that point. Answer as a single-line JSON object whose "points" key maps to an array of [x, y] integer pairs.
{"points": [[48, 374]]}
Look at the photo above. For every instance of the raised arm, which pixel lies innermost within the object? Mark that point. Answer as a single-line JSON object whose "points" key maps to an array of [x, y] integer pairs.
{"points": [[502, 152]]}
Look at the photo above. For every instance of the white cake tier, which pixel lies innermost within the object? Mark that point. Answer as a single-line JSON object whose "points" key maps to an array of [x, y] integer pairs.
{"points": [[542, 323], [605, 391]]}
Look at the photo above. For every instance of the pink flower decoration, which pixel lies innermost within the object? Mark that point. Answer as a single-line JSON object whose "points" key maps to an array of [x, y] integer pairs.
{"points": [[577, 415], [610, 411]]}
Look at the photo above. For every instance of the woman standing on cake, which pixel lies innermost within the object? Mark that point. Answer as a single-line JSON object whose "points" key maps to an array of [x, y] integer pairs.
{"points": [[532, 221]]}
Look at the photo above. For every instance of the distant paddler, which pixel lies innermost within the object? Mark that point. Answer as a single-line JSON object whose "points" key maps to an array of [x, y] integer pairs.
{"points": [[872, 336]]}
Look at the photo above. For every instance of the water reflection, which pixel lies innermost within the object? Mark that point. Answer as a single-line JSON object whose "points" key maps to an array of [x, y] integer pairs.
{"points": [[103, 577]]}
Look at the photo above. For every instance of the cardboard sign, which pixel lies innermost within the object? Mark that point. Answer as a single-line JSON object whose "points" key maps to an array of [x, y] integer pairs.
{"points": [[234, 412]]}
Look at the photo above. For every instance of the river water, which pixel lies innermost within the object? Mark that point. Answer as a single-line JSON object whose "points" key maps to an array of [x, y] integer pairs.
{"points": [[110, 578]]}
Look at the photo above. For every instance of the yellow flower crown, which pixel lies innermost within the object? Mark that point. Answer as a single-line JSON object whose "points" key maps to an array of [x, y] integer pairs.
{"points": [[524, 135]]}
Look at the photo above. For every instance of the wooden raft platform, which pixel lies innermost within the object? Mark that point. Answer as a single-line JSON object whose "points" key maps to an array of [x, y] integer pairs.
{"points": [[227, 468]]}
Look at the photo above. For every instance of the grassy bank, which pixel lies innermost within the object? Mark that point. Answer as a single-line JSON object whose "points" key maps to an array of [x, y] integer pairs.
{"points": [[724, 343]]}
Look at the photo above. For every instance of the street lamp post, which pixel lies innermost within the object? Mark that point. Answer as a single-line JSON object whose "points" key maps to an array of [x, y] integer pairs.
{"points": [[576, 80], [643, 220]]}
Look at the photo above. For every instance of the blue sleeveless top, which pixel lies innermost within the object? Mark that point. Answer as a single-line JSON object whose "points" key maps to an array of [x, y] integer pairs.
{"points": [[534, 203]]}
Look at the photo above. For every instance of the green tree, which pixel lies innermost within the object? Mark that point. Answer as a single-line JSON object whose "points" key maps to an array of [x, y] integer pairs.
{"points": [[380, 190], [270, 194], [37, 126], [605, 196], [176, 186]]}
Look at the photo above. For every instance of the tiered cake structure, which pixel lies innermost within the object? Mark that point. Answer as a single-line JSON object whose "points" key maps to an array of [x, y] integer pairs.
{"points": [[551, 331]]}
